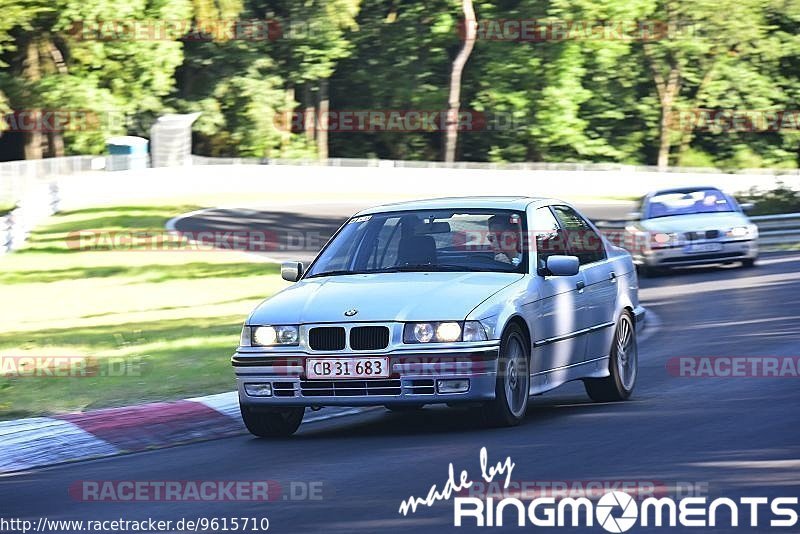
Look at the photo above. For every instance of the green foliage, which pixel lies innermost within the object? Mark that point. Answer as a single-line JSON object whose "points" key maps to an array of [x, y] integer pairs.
{"points": [[782, 199], [576, 98]]}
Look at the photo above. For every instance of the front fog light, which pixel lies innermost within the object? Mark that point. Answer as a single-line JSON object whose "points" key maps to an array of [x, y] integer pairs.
{"points": [[453, 386], [258, 390], [448, 332]]}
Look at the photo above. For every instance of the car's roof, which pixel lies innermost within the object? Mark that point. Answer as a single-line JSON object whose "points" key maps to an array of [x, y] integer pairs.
{"points": [[682, 190], [487, 202]]}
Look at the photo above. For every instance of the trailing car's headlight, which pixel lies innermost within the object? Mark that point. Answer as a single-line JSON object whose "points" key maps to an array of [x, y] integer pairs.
{"points": [[663, 239], [444, 332], [740, 232], [266, 336]]}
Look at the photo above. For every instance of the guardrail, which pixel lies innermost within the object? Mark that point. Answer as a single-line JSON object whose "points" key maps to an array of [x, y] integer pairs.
{"points": [[773, 230], [524, 166], [33, 186]]}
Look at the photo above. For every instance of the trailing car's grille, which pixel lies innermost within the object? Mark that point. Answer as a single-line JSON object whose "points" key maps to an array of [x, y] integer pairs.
{"points": [[326, 338], [698, 257], [708, 234], [349, 388], [369, 338]]}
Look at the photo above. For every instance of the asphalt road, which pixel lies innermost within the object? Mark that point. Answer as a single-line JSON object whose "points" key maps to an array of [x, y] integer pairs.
{"points": [[296, 232], [728, 437]]}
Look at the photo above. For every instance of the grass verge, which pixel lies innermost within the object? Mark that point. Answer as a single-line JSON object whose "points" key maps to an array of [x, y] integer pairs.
{"points": [[136, 324]]}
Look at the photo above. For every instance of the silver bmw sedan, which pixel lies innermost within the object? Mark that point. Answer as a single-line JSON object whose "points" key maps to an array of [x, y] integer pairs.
{"points": [[477, 300]]}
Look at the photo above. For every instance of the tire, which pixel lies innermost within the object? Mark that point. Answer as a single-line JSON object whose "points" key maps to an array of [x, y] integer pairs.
{"points": [[623, 365], [513, 381], [749, 263], [274, 423]]}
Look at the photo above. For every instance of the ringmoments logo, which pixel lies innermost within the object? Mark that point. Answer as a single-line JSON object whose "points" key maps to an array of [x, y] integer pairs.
{"points": [[615, 511]]}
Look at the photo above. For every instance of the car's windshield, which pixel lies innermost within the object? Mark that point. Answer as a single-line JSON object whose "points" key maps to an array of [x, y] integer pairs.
{"points": [[458, 240], [687, 202]]}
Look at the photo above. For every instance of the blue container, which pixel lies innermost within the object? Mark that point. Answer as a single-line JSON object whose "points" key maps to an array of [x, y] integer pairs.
{"points": [[127, 153]]}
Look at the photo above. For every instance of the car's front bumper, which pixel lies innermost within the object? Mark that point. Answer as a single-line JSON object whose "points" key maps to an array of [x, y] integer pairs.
{"points": [[679, 256], [414, 379]]}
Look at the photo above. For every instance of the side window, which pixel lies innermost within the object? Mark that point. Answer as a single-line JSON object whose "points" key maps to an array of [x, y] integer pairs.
{"points": [[583, 241], [549, 238]]}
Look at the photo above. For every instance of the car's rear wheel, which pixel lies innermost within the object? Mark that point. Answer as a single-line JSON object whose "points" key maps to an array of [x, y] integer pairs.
{"points": [[623, 365], [272, 423], [513, 380]]}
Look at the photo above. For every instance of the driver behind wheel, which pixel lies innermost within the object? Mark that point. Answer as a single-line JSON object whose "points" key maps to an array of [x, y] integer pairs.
{"points": [[505, 239]]}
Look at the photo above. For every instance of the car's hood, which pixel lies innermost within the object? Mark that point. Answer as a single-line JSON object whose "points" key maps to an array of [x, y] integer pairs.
{"points": [[381, 297], [696, 222]]}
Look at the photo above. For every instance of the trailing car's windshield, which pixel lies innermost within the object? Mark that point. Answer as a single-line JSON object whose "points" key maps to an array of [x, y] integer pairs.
{"points": [[461, 240], [687, 202]]}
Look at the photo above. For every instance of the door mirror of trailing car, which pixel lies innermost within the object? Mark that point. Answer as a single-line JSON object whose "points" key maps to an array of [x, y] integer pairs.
{"points": [[562, 266], [747, 206], [634, 216], [291, 271]]}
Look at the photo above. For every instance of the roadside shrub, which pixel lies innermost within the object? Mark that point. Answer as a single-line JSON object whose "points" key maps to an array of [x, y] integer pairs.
{"points": [[782, 199]]}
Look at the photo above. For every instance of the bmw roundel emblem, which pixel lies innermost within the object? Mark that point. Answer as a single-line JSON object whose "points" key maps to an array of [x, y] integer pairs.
{"points": [[350, 313]]}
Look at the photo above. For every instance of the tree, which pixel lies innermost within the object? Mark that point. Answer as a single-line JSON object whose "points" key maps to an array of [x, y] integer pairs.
{"points": [[454, 100]]}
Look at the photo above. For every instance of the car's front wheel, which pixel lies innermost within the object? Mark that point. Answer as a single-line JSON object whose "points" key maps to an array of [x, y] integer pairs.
{"points": [[623, 365], [272, 423], [513, 380]]}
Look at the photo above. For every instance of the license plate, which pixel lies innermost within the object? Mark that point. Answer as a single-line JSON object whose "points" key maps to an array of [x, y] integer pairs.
{"points": [[347, 368], [703, 247]]}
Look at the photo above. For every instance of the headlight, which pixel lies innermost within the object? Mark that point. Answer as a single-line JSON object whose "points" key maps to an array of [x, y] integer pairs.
{"points": [[443, 332], [267, 336], [448, 332], [663, 239], [740, 232]]}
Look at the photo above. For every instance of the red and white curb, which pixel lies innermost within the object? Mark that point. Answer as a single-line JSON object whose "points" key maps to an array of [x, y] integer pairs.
{"points": [[41, 441]]}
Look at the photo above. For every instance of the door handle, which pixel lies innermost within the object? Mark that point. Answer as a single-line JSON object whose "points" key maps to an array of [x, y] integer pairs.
{"points": [[613, 277], [580, 285]]}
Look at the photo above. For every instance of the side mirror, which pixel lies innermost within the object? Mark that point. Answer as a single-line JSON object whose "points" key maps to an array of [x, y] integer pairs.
{"points": [[635, 216], [747, 206], [562, 266], [291, 271]]}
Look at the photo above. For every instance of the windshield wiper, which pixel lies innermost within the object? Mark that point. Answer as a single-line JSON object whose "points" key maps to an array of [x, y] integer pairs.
{"points": [[428, 267], [334, 273]]}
